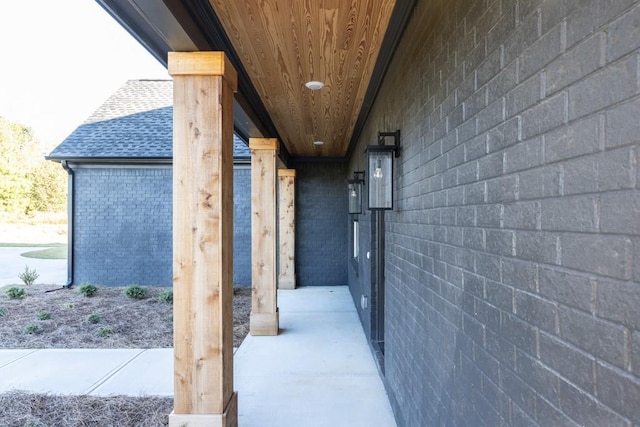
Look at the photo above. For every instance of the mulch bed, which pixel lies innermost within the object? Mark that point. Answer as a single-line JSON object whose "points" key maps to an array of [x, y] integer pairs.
{"points": [[19, 409], [145, 323]]}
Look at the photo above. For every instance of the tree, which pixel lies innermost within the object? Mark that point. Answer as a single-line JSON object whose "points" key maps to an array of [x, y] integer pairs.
{"points": [[28, 182], [48, 188]]}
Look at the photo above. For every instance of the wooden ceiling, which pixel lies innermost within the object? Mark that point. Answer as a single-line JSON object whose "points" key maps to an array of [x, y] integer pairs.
{"points": [[283, 44]]}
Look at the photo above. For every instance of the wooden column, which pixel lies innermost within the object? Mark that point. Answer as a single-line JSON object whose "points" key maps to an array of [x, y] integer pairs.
{"points": [[264, 307], [287, 228], [203, 86]]}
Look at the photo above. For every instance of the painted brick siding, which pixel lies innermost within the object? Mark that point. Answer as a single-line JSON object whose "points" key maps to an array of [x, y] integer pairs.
{"points": [[513, 254], [321, 224], [122, 226], [122, 229], [242, 225]]}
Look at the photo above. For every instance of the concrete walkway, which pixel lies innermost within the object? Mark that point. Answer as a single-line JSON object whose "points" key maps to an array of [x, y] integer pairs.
{"points": [[317, 372], [12, 263]]}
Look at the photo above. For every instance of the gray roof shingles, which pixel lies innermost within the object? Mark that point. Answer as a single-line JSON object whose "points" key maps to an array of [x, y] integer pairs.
{"points": [[136, 122]]}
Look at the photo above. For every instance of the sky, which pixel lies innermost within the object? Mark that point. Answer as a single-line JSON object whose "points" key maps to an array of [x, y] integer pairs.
{"points": [[60, 60]]}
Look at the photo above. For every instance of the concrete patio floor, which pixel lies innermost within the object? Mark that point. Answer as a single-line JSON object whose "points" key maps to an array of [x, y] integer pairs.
{"points": [[318, 371]]}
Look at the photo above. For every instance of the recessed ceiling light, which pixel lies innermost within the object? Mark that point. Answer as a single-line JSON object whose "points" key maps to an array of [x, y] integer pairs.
{"points": [[313, 85], [318, 143]]}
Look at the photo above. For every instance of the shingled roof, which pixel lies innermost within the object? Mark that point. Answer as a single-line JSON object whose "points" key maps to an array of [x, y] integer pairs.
{"points": [[135, 123]]}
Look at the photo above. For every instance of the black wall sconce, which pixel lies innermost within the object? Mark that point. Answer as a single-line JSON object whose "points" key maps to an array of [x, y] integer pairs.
{"points": [[380, 170], [354, 190]]}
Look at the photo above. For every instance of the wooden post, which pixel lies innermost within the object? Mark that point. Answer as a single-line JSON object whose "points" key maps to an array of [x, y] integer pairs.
{"points": [[264, 306], [203, 88], [287, 228]]}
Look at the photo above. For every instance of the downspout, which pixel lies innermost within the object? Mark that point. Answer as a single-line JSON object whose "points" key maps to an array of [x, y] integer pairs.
{"points": [[70, 225]]}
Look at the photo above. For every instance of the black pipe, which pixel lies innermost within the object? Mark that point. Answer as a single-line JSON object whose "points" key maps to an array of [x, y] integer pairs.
{"points": [[70, 216]]}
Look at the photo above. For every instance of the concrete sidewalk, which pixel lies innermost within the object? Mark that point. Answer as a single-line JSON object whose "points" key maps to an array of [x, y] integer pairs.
{"points": [[12, 263], [318, 371]]}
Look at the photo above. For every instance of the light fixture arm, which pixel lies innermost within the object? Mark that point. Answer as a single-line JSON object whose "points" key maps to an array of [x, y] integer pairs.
{"points": [[396, 141], [358, 176]]}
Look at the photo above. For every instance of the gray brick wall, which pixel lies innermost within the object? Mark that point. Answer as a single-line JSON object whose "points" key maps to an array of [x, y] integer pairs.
{"points": [[513, 254], [242, 225], [122, 229], [321, 224], [122, 225]]}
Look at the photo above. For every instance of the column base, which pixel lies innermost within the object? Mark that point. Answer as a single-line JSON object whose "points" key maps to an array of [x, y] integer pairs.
{"points": [[264, 323], [286, 282], [227, 419]]}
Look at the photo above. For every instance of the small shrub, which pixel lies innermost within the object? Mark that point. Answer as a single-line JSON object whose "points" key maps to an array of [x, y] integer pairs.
{"points": [[166, 296], [28, 276], [2, 312], [88, 290], [105, 332], [93, 318], [15, 293], [69, 305], [31, 329], [135, 292], [44, 315]]}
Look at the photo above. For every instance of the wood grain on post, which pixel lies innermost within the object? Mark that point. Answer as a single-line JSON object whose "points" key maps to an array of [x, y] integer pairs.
{"points": [[287, 228], [203, 88], [264, 307]]}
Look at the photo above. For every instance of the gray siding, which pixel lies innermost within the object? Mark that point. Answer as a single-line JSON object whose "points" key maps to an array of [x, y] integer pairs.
{"points": [[321, 224], [122, 229], [513, 254], [122, 225], [242, 225]]}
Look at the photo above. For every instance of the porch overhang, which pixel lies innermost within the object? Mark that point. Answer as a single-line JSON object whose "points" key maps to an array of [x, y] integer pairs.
{"points": [[161, 27], [175, 25]]}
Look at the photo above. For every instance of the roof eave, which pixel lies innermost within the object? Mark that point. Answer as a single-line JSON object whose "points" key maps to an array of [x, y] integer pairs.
{"points": [[168, 26], [238, 160], [120, 160]]}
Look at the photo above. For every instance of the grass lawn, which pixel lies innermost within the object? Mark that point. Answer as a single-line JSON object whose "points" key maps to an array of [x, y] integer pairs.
{"points": [[49, 251], [56, 252], [31, 245]]}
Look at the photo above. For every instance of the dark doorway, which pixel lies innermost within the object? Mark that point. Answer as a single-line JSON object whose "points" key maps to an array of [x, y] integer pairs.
{"points": [[377, 286]]}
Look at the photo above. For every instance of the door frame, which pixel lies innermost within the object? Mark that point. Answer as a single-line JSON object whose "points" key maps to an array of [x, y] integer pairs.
{"points": [[378, 286]]}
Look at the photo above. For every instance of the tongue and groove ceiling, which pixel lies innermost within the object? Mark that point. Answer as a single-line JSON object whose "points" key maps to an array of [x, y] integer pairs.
{"points": [[284, 44], [277, 46]]}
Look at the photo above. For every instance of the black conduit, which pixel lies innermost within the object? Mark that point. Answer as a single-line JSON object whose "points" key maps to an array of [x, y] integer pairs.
{"points": [[70, 216]]}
